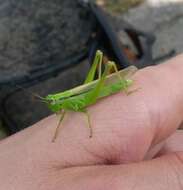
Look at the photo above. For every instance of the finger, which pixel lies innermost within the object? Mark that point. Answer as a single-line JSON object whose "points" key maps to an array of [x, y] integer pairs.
{"points": [[173, 144], [154, 151], [165, 173], [162, 93], [181, 126]]}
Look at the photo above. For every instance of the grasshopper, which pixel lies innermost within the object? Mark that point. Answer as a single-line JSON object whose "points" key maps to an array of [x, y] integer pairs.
{"points": [[79, 98]]}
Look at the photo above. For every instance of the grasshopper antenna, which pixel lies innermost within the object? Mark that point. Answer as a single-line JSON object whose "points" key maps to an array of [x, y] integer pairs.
{"points": [[33, 94]]}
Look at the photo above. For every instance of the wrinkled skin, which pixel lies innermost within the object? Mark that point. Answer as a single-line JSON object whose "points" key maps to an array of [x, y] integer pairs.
{"points": [[135, 144]]}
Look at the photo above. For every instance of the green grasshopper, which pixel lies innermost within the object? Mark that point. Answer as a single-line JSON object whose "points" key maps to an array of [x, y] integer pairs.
{"points": [[79, 98]]}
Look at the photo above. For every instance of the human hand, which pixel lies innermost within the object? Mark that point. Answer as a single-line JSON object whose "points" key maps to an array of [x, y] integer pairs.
{"points": [[130, 147]]}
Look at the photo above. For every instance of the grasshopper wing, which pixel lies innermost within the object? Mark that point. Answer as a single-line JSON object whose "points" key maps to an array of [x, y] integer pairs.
{"points": [[128, 72], [125, 74]]}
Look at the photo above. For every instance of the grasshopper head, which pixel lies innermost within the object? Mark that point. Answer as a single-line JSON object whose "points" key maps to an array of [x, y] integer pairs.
{"points": [[53, 103], [50, 100]]}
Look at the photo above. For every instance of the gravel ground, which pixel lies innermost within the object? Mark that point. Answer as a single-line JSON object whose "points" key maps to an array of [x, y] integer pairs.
{"points": [[38, 33], [164, 18]]}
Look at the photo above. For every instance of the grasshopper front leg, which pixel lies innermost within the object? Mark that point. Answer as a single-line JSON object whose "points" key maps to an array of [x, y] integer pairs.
{"points": [[58, 126]]}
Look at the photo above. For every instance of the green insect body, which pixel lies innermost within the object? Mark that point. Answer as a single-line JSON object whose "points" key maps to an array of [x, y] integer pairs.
{"points": [[81, 101], [79, 98]]}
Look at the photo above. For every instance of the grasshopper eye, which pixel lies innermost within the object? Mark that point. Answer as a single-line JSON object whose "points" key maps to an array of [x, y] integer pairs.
{"points": [[52, 102]]}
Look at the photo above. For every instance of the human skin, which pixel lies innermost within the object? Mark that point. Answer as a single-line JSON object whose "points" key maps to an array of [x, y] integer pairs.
{"points": [[135, 143]]}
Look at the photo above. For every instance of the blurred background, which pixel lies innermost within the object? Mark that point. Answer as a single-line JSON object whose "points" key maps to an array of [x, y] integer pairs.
{"points": [[48, 46]]}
